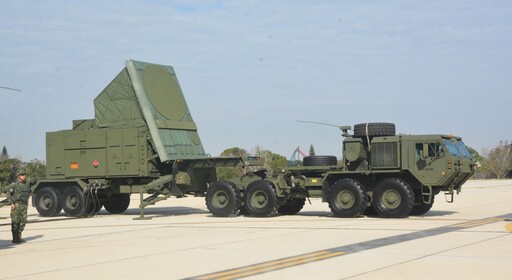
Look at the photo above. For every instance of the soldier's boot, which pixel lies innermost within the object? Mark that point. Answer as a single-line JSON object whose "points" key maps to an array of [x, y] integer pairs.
{"points": [[15, 237], [21, 239]]}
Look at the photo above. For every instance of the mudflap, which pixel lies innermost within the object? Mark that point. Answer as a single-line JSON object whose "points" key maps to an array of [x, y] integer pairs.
{"points": [[325, 191]]}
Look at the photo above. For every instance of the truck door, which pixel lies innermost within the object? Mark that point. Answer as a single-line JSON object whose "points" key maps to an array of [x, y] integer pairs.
{"points": [[429, 162]]}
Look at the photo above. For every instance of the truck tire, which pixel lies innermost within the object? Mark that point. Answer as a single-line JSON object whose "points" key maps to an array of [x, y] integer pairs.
{"points": [[422, 208], [117, 203], [223, 199], [370, 211], [292, 206], [393, 198], [320, 160], [374, 129], [347, 198], [48, 202], [261, 199], [73, 201]]}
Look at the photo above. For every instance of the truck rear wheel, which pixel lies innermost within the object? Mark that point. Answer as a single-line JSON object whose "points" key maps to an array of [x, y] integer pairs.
{"points": [[393, 198], [347, 198], [73, 201], [223, 199], [48, 202], [117, 203], [261, 199], [292, 206]]}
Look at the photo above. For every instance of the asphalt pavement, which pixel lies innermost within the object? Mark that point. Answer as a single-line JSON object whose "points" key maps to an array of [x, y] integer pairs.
{"points": [[468, 239]]}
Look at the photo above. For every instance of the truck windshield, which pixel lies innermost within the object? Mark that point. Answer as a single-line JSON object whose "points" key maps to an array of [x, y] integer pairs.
{"points": [[452, 148], [463, 150]]}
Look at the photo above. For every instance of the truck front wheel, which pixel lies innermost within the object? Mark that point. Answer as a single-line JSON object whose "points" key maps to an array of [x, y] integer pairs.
{"points": [[347, 198], [48, 202], [422, 208], [393, 198], [261, 199], [223, 199]]}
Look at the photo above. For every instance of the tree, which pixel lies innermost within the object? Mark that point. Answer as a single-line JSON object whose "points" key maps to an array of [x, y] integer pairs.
{"points": [[36, 169], [312, 150], [499, 160], [224, 173], [478, 158], [4, 155], [274, 162], [234, 152], [8, 169]]}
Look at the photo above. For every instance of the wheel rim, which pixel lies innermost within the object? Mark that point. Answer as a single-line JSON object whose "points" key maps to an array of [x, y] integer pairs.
{"points": [[259, 199], [72, 202], [391, 199], [46, 202], [220, 199], [345, 199]]}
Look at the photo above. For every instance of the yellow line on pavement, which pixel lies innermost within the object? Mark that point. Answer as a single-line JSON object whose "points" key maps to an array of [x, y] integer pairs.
{"points": [[478, 222], [508, 227], [272, 265]]}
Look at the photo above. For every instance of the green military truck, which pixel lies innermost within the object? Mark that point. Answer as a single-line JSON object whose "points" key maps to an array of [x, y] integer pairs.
{"points": [[381, 173], [142, 140]]}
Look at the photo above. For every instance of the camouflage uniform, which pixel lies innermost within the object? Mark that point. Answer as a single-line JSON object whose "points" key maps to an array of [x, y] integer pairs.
{"points": [[18, 194]]}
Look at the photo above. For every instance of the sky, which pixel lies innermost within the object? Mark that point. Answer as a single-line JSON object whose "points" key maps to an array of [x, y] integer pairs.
{"points": [[250, 69]]}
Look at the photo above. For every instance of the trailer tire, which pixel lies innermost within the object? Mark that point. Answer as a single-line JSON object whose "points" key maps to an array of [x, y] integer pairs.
{"points": [[73, 201], [422, 208], [374, 129], [393, 198], [347, 198], [223, 199], [292, 206], [48, 202], [261, 199], [117, 203], [320, 160]]}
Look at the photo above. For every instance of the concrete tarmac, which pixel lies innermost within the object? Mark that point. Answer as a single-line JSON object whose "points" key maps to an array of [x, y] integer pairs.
{"points": [[468, 239]]}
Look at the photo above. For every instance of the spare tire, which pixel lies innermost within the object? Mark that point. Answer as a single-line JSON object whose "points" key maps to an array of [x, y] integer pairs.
{"points": [[374, 129], [320, 160]]}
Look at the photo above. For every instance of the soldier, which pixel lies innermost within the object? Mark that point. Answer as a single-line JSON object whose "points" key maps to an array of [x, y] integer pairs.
{"points": [[18, 194]]}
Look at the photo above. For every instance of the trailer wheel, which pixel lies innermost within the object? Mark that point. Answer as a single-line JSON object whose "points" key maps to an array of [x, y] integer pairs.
{"points": [[48, 202], [422, 208], [223, 199], [292, 206], [374, 129], [73, 201], [117, 203], [261, 199], [393, 198], [347, 198]]}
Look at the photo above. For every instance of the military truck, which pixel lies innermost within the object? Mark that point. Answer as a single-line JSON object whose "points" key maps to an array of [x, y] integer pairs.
{"points": [[142, 140], [380, 173]]}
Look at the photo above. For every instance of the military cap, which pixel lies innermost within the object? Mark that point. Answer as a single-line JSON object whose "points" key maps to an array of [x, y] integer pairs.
{"points": [[21, 171]]}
